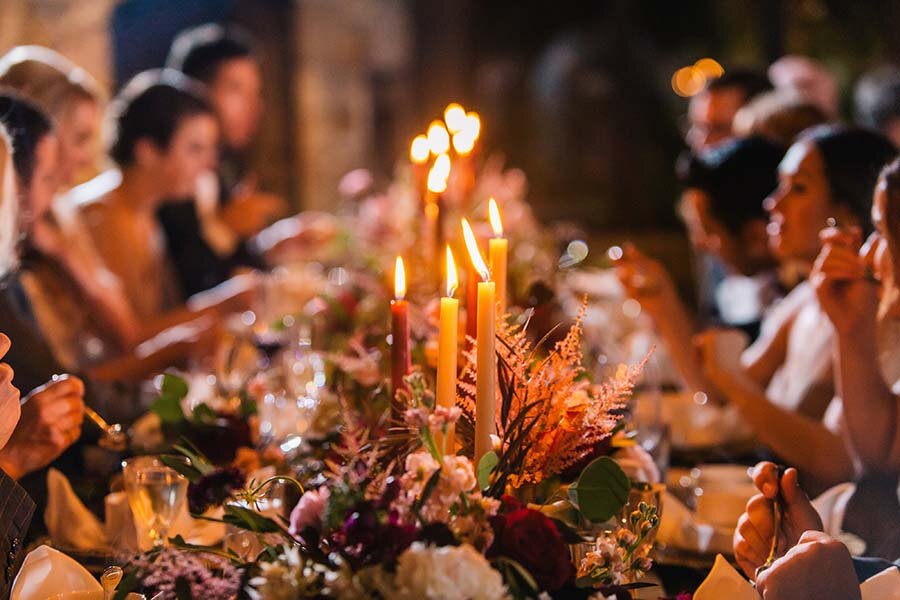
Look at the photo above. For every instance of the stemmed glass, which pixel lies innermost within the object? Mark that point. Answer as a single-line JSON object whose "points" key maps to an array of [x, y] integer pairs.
{"points": [[156, 494]]}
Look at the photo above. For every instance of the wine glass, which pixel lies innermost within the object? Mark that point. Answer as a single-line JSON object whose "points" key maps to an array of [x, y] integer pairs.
{"points": [[156, 494]]}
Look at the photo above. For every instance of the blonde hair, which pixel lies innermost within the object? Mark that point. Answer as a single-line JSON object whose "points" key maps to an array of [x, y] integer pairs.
{"points": [[9, 225], [47, 78]]}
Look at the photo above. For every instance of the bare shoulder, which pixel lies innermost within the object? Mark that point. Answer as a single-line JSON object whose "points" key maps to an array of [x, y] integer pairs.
{"points": [[90, 200]]}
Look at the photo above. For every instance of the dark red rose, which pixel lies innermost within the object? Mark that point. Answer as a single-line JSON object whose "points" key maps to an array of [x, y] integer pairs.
{"points": [[531, 539]]}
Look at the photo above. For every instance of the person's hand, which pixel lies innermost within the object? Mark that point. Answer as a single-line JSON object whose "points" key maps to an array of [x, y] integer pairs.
{"points": [[50, 423], [843, 282], [753, 536], [646, 281], [719, 354], [9, 396], [250, 211], [818, 567]]}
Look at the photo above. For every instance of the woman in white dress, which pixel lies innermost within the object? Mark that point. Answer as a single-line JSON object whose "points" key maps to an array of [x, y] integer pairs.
{"points": [[857, 287]]}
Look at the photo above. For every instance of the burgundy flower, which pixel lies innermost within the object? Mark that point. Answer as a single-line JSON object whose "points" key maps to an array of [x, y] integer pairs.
{"points": [[214, 488], [531, 539]]}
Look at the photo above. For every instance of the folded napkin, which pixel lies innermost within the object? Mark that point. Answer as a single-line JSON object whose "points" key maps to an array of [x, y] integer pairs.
{"points": [[47, 572], [70, 524], [884, 586], [73, 526], [678, 527], [723, 582]]}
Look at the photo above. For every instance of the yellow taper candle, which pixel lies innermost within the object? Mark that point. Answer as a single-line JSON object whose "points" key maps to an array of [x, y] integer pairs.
{"points": [[448, 348], [486, 359], [498, 249]]}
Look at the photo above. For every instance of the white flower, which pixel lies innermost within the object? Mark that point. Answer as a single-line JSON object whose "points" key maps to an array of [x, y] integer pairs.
{"points": [[446, 573]]}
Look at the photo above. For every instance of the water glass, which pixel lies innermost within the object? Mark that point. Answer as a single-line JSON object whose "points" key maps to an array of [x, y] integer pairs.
{"points": [[156, 494]]}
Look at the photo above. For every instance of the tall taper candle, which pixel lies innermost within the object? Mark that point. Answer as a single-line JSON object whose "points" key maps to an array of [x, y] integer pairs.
{"points": [[486, 358], [498, 249], [448, 347], [400, 359]]}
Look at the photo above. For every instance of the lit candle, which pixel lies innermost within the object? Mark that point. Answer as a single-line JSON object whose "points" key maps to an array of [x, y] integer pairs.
{"points": [[448, 347], [455, 117], [486, 360], [418, 156], [438, 138], [432, 237], [498, 249], [400, 361]]}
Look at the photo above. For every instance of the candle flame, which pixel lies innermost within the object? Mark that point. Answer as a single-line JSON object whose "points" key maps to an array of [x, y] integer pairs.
{"points": [[436, 183], [438, 138], [452, 277], [494, 215], [455, 117], [419, 149], [442, 166], [399, 279], [474, 252], [463, 142]]}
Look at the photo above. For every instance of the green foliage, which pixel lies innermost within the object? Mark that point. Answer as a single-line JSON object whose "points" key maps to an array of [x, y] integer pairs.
{"points": [[601, 490], [486, 466], [168, 405]]}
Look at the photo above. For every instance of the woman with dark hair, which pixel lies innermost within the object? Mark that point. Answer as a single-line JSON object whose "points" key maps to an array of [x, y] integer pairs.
{"points": [[722, 209], [164, 137], [783, 383]]}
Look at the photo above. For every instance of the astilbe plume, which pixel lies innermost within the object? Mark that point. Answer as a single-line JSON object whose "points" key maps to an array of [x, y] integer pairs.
{"points": [[550, 416]]}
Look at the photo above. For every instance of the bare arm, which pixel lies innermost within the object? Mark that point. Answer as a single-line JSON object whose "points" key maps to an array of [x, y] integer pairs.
{"points": [[797, 439]]}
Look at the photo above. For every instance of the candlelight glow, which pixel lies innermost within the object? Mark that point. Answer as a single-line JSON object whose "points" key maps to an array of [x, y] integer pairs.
{"points": [[463, 142], [419, 149], [494, 215], [452, 277], [399, 279], [438, 138], [455, 117], [442, 166], [473, 125], [474, 252], [436, 182]]}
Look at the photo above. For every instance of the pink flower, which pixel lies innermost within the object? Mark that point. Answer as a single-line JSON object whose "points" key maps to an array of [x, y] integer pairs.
{"points": [[310, 510], [443, 417]]}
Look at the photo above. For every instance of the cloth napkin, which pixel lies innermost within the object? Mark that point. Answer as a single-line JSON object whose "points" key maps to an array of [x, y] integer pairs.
{"points": [[47, 572], [723, 582], [884, 586], [73, 526], [679, 528], [69, 522]]}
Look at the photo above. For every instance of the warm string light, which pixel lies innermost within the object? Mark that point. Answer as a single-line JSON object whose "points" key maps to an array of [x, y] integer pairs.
{"points": [[452, 277], [494, 216], [474, 252], [399, 279]]}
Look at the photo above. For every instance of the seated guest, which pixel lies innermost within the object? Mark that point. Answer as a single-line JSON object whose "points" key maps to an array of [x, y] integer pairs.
{"points": [[207, 233], [779, 116], [711, 112], [848, 281], [69, 95], [165, 138], [89, 327], [810, 564], [722, 209], [16, 508], [784, 382], [876, 101]]}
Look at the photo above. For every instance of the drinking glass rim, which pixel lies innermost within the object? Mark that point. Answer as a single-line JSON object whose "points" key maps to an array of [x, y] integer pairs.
{"points": [[133, 460]]}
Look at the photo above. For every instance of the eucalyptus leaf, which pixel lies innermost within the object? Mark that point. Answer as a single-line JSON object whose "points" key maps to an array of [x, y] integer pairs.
{"points": [[601, 490], [486, 466]]}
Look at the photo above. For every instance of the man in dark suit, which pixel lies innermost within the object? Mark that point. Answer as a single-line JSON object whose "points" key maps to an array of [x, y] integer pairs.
{"points": [[16, 508]]}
